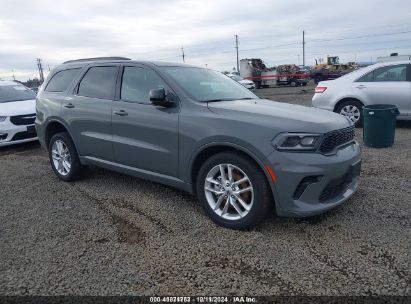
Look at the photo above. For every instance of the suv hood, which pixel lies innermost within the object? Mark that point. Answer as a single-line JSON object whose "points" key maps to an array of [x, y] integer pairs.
{"points": [[22, 107], [283, 116]]}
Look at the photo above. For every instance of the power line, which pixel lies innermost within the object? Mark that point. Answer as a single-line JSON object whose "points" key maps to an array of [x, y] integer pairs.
{"points": [[368, 50], [296, 43], [359, 37]]}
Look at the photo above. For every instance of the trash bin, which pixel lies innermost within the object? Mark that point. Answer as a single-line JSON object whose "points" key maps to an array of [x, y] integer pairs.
{"points": [[379, 125]]}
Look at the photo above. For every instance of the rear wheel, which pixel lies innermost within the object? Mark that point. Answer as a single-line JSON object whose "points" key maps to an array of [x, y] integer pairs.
{"points": [[233, 191], [352, 109], [64, 158]]}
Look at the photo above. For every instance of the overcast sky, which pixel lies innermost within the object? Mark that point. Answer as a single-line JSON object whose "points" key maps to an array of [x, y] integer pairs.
{"points": [[156, 30]]}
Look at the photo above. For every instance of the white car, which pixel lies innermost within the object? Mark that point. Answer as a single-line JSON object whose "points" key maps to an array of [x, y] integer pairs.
{"points": [[245, 82], [17, 113], [381, 83]]}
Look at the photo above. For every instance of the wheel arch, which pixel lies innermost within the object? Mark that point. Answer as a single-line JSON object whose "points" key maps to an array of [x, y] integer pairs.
{"points": [[208, 150], [53, 127], [342, 100]]}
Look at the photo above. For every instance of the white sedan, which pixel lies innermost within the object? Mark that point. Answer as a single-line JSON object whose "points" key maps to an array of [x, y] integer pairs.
{"points": [[17, 113], [381, 83], [245, 82]]}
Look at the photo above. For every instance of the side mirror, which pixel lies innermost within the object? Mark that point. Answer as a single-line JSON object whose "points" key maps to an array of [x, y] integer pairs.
{"points": [[158, 97]]}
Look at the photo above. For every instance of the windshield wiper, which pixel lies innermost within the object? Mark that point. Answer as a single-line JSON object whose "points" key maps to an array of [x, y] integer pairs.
{"points": [[245, 98]]}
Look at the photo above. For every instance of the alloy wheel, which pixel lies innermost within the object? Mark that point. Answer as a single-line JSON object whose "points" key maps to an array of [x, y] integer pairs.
{"points": [[229, 191], [61, 157]]}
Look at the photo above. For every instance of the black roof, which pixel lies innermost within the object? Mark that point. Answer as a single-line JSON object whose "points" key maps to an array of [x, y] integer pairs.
{"points": [[96, 59], [82, 61]]}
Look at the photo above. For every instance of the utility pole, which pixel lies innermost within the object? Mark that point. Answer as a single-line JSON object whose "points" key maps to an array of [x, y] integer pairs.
{"points": [[40, 67], [303, 48], [236, 48], [14, 78], [182, 51]]}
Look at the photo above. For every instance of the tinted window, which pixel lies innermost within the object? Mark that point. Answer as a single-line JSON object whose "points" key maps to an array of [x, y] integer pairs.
{"points": [[137, 83], [61, 80], [98, 82], [367, 77], [15, 93], [389, 73]]}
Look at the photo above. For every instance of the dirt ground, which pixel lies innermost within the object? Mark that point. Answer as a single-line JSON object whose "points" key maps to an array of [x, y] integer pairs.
{"points": [[111, 234]]}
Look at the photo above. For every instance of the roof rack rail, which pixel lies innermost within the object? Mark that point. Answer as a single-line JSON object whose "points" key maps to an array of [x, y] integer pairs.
{"points": [[96, 59]]}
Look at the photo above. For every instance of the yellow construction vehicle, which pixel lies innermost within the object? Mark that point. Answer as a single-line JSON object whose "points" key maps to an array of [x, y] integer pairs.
{"points": [[329, 68]]}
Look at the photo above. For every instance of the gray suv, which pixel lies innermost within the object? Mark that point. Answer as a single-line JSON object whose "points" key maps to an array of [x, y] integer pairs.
{"points": [[200, 131]]}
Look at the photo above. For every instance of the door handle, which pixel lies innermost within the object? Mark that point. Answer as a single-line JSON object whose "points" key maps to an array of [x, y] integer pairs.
{"points": [[361, 86], [69, 105], [121, 113]]}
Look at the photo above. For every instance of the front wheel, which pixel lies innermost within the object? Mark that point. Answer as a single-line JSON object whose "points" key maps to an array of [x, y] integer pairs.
{"points": [[352, 109], [64, 158], [233, 191]]}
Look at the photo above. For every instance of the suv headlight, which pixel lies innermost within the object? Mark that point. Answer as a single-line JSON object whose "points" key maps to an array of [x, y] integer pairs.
{"points": [[297, 141], [2, 118]]}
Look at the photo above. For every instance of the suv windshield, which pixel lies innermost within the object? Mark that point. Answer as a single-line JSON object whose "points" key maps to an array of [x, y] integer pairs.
{"points": [[15, 93], [207, 85]]}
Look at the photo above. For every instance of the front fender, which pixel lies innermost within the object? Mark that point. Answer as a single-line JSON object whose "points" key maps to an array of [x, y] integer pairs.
{"points": [[237, 144]]}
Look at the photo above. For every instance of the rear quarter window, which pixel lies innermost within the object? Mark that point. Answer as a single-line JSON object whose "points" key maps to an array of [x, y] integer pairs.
{"points": [[61, 80]]}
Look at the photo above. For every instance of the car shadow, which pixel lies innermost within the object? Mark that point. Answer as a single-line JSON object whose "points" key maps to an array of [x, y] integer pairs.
{"points": [[17, 148]]}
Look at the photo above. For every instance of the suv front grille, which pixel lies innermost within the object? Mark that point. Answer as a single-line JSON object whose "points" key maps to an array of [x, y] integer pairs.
{"points": [[23, 120], [336, 138]]}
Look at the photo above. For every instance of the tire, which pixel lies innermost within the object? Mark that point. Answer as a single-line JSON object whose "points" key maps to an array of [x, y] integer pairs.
{"points": [[356, 107], [293, 83], [70, 167], [223, 197], [257, 85]]}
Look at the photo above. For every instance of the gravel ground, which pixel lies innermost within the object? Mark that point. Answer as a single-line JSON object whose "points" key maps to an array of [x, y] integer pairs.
{"points": [[111, 234]]}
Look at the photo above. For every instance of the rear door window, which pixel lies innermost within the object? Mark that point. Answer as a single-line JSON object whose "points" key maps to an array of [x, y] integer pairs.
{"points": [[61, 80], [391, 73], [98, 82], [388, 73]]}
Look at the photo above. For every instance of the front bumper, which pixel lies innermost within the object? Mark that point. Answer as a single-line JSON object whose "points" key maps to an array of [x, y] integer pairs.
{"points": [[322, 101], [11, 134], [331, 180]]}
